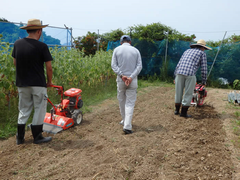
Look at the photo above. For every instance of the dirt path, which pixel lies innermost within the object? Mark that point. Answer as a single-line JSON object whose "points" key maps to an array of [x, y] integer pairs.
{"points": [[163, 146]]}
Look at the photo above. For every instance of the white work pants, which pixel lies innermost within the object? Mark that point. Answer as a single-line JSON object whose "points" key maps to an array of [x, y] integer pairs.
{"points": [[30, 97], [127, 96]]}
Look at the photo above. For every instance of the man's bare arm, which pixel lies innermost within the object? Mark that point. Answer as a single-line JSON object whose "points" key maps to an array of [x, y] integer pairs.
{"points": [[49, 72], [14, 61]]}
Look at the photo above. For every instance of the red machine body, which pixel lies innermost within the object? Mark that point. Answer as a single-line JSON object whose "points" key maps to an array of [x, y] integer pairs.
{"points": [[59, 120], [74, 93], [199, 95]]}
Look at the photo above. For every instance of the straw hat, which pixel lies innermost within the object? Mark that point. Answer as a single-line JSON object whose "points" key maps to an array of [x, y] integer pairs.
{"points": [[34, 24], [202, 43]]}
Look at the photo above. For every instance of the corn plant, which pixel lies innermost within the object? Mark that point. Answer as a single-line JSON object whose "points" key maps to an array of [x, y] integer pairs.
{"points": [[72, 68], [7, 72]]}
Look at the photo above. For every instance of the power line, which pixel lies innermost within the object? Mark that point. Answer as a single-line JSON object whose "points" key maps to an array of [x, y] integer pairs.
{"points": [[210, 31], [90, 29], [58, 33]]}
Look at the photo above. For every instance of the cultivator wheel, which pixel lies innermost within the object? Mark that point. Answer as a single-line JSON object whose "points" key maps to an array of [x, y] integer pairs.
{"points": [[196, 99], [77, 116]]}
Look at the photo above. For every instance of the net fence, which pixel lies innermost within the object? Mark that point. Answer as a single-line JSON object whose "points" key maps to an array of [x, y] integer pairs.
{"points": [[154, 55]]}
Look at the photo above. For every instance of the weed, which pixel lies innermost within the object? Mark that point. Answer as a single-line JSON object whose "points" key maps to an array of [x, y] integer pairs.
{"points": [[237, 114], [237, 122]]}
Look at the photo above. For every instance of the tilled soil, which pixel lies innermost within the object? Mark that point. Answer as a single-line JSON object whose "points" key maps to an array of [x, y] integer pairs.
{"points": [[163, 146]]}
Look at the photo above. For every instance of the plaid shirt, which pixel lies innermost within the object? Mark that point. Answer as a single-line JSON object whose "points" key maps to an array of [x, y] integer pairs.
{"points": [[190, 62]]}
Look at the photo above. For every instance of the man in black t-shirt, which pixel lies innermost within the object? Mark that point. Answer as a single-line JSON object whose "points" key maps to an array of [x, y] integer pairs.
{"points": [[29, 56]]}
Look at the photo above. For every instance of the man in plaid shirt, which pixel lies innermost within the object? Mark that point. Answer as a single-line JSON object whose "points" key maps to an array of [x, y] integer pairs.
{"points": [[185, 78]]}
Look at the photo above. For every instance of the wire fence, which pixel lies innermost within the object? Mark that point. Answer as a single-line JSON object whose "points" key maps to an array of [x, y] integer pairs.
{"points": [[52, 36]]}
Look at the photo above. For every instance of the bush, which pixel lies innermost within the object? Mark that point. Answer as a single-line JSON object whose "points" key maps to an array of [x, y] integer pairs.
{"points": [[236, 84]]}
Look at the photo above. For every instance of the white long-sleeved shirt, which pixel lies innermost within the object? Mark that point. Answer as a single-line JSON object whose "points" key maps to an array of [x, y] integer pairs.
{"points": [[126, 60]]}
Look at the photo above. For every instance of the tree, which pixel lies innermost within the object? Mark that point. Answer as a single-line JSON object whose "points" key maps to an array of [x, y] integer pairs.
{"points": [[114, 35], [87, 43], [3, 20], [90, 42], [157, 32]]}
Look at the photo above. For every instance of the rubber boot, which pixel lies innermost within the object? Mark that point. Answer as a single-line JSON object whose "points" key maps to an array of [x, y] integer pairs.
{"points": [[37, 134], [177, 107], [184, 112], [20, 134]]}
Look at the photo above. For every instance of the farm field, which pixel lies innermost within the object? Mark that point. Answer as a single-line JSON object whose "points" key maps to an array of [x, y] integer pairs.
{"points": [[163, 146]]}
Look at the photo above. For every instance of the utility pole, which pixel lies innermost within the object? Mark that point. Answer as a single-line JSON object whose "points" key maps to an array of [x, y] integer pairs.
{"points": [[72, 38], [166, 47], [42, 33], [98, 41]]}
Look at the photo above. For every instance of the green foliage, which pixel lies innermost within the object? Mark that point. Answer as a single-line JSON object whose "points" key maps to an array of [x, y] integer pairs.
{"points": [[88, 44], [150, 32], [114, 35], [236, 84], [181, 37], [164, 69], [230, 40], [157, 32], [213, 43], [234, 38], [7, 72], [228, 63], [72, 67], [8, 125], [3, 20]]}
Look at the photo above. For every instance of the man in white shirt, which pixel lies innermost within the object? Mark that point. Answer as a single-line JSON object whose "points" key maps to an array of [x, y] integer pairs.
{"points": [[127, 64]]}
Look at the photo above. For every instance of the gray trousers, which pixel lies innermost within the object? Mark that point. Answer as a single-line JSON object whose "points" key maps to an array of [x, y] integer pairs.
{"points": [[184, 84], [30, 97], [127, 96]]}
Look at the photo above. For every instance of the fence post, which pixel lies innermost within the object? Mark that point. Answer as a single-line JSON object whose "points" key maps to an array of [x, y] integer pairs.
{"points": [[166, 47], [71, 37], [98, 41], [217, 54]]}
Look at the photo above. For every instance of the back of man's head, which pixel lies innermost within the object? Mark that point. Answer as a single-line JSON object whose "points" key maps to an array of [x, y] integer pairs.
{"points": [[29, 31], [125, 38]]}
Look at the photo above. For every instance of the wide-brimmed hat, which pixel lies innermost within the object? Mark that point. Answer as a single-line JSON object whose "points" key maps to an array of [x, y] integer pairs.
{"points": [[202, 43], [33, 24]]}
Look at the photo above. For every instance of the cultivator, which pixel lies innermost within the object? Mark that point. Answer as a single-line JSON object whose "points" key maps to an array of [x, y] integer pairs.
{"points": [[67, 113], [199, 95]]}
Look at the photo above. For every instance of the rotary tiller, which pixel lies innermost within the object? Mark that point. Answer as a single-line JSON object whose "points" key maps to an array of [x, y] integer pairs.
{"points": [[199, 95], [67, 113]]}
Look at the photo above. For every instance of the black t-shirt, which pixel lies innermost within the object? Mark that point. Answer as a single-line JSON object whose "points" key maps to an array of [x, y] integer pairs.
{"points": [[30, 57]]}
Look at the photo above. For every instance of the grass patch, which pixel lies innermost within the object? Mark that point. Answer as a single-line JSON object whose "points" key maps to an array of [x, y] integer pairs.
{"points": [[237, 114], [236, 131]]}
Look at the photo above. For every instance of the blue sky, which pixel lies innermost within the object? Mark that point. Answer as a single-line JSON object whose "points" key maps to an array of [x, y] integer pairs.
{"points": [[207, 19]]}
